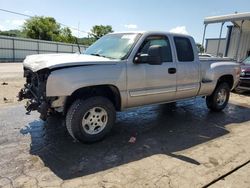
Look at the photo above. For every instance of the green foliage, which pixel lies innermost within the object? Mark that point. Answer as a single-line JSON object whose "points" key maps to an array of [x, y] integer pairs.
{"points": [[65, 35], [86, 41], [200, 48], [46, 28], [12, 33], [98, 31]]}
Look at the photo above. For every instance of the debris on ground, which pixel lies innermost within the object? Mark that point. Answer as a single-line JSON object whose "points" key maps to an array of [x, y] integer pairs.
{"points": [[132, 140], [146, 146], [6, 100], [4, 83]]}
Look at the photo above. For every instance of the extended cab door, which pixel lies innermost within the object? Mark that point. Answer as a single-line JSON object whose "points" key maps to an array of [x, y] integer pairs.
{"points": [[147, 83], [188, 65]]}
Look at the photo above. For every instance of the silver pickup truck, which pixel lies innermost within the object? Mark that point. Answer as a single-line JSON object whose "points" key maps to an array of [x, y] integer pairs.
{"points": [[120, 71]]}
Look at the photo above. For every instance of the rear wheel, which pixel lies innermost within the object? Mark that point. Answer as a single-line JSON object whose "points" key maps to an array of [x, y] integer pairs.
{"points": [[219, 99], [90, 120]]}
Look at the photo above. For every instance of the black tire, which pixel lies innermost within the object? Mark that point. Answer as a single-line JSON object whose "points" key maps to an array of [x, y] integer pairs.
{"points": [[212, 102], [77, 112]]}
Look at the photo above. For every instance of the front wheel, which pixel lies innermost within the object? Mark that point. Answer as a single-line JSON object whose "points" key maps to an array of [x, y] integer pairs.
{"points": [[219, 99], [90, 120]]}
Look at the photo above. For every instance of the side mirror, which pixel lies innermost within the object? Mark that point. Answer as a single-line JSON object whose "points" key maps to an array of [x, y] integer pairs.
{"points": [[153, 57]]}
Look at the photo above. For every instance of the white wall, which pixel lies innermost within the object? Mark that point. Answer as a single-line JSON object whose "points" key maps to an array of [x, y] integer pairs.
{"points": [[244, 46], [212, 46]]}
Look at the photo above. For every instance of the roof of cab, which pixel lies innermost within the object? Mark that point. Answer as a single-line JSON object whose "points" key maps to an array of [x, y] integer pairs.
{"points": [[150, 33]]}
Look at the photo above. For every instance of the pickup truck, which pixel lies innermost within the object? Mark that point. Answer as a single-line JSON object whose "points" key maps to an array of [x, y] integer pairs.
{"points": [[244, 83], [121, 71]]}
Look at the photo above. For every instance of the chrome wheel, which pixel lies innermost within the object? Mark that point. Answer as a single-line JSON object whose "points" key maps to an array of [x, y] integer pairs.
{"points": [[95, 120], [221, 97]]}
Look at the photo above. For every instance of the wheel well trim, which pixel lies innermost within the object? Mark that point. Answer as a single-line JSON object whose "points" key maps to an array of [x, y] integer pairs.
{"points": [[228, 78], [117, 100]]}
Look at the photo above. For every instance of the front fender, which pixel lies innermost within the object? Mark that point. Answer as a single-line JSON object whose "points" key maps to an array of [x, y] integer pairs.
{"points": [[64, 82]]}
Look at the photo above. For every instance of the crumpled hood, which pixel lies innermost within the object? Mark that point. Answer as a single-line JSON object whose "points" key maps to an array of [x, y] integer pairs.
{"points": [[50, 61]]}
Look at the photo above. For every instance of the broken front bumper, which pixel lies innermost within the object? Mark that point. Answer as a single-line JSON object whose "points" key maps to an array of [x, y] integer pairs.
{"points": [[33, 103]]}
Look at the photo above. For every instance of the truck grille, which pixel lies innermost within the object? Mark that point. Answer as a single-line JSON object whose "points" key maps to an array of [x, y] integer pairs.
{"points": [[35, 83]]}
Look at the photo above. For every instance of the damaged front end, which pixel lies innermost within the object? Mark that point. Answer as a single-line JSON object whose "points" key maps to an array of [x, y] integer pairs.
{"points": [[35, 91]]}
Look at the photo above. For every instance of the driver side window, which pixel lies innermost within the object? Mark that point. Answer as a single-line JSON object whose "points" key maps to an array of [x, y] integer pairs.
{"points": [[161, 41]]}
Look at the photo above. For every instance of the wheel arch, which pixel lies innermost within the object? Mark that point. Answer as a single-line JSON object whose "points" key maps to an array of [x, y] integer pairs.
{"points": [[109, 91], [228, 78]]}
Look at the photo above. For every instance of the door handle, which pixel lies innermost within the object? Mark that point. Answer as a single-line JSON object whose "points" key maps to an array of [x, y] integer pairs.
{"points": [[172, 70]]}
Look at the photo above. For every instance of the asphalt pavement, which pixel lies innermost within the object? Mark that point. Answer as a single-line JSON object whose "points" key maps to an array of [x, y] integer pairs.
{"points": [[180, 145]]}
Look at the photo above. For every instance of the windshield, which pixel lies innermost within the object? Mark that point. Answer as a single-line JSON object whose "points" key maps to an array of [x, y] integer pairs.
{"points": [[113, 46], [247, 60]]}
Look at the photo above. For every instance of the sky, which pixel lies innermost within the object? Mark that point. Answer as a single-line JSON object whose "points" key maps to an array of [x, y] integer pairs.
{"points": [[143, 15]]}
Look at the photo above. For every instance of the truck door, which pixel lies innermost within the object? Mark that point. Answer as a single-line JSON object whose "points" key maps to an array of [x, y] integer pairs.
{"points": [[149, 84], [188, 77]]}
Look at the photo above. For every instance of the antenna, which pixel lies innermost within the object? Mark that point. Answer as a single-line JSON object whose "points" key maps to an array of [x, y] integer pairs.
{"points": [[79, 48]]}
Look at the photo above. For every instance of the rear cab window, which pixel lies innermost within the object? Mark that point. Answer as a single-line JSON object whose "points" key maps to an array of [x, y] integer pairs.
{"points": [[184, 49]]}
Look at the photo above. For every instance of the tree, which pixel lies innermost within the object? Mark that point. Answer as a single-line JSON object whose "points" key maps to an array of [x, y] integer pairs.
{"points": [[200, 48], [98, 31], [65, 35], [12, 33], [46, 28], [86, 41]]}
